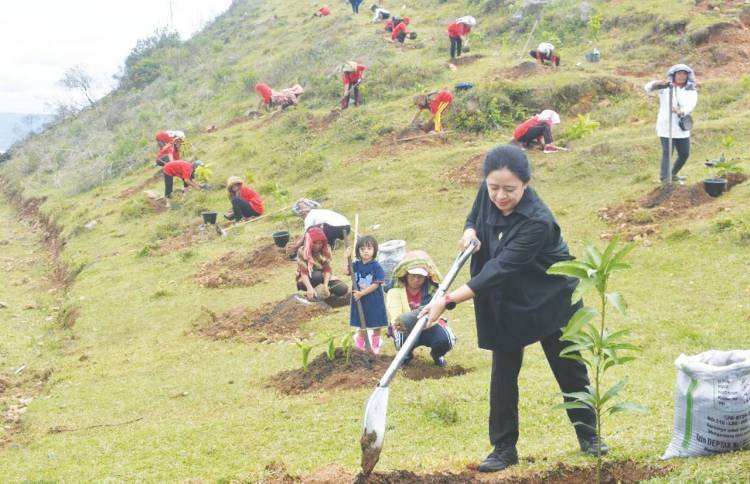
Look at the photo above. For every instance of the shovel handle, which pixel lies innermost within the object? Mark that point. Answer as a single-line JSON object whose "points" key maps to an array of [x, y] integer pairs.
{"points": [[407, 346]]}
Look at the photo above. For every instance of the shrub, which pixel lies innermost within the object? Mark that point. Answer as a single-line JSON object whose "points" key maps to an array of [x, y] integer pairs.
{"points": [[142, 65], [583, 126]]}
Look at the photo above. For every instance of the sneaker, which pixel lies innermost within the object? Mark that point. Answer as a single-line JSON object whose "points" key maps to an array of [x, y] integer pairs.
{"points": [[499, 460], [678, 178], [589, 445], [550, 148], [440, 361], [360, 343]]}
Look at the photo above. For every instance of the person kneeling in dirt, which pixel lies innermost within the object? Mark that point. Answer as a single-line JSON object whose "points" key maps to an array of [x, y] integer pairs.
{"points": [[169, 146], [545, 54], [334, 225], [400, 30], [314, 274], [277, 99], [246, 203], [415, 280], [437, 102], [379, 14], [458, 32], [535, 129], [354, 74], [185, 170]]}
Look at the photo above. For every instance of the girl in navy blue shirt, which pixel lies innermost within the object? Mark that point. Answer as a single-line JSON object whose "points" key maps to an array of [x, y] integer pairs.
{"points": [[369, 277]]}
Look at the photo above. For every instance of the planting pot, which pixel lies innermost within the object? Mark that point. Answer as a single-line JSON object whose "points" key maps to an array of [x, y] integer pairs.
{"points": [[209, 217], [280, 238], [715, 186]]}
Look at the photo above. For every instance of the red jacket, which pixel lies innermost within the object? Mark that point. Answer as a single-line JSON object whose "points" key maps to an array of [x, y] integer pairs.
{"points": [[251, 196], [389, 26], [401, 27], [163, 136], [442, 96], [324, 11], [264, 91], [168, 149], [522, 128], [179, 168], [352, 77], [457, 29]]}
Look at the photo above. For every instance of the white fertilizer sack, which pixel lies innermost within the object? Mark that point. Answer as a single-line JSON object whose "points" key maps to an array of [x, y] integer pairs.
{"points": [[712, 404]]}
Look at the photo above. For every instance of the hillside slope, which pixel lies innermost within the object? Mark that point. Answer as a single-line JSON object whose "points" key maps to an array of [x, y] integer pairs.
{"points": [[135, 382]]}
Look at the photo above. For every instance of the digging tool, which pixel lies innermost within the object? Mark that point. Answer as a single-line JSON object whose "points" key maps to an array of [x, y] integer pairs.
{"points": [[667, 181], [376, 408], [360, 310], [427, 135], [528, 39]]}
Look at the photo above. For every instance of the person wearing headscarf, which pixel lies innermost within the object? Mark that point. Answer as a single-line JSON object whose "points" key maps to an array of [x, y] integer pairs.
{"points": [[400, 30], [246, 203], [354, 74], [458, 32], [314, 273], [323, 11], [536, 129], [414, 281], [682, 84], [169, 143], [277, 99], [545, 54]]}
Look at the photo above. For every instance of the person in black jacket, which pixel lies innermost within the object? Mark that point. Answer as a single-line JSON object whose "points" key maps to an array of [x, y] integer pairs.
{"points": [[516, 302]]}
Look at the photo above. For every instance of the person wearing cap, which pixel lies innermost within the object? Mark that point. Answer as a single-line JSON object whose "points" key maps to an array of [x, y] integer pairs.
{"points": [[437, 102], [535, 129], [681, 81], [354, 74], [399, 30], [458, 32], [379, 14], [545, 54], [414, 281], [314, 273], [246, 203], [182, 169], [169, 143]]}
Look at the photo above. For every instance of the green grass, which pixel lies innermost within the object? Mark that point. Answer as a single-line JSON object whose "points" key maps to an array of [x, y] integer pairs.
{"points": [[204, 408]]}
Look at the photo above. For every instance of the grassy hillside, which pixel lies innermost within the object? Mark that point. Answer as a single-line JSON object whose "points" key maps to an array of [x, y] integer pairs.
{"points": [[124, 387]]}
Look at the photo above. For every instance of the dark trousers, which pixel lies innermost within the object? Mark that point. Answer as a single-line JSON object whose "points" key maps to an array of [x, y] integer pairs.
{"points": [[355, 5], [169, 184], [540, 130], [335, 233], [570, 375], [456, 44], [682, 145], [242, 209], [438, 338], [337, 287], [353, 91], [552, 58], [401, 37]]}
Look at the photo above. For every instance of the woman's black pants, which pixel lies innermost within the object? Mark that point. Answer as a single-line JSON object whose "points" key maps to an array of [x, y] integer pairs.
{"points": [[337, 287], [541, 129], [169, 185], [571, 376], [242, 209], [456, 43], [682, 145]]}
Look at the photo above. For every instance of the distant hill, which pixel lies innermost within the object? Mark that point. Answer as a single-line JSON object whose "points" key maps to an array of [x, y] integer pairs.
{"points": [[14, 126]]}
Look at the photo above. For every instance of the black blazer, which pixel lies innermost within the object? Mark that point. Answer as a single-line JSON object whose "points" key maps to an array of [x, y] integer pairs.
{"points": [[517, 302]]}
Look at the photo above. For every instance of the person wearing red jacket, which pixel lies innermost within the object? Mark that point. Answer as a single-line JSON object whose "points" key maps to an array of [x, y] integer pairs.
{"points": [[182, 169], [246, 203], [437, 102], [536, 128], [399, 31], [458, 32], [265, 92], [354, 74], [323, 11], [169, 143]]}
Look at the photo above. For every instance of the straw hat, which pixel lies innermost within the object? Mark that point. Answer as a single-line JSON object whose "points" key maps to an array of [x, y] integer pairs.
{"points": [[233, 180]]}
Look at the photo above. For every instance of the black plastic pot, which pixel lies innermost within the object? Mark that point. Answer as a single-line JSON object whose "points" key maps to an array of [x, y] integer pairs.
{"points": [[209, 217], [280, 238], [715, 186]]}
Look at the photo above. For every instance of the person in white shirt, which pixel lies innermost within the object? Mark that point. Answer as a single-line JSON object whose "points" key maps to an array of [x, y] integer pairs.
{"points": [[545, 54], [379, 14], [681, 82], [335, 225]]}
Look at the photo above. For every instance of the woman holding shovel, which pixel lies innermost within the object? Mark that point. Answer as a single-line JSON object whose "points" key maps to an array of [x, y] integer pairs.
{"points": [[354, 74], [516, 302]]}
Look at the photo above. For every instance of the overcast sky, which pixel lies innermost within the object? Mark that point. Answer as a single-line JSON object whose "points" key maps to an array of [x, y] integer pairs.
{"points": [[40, 39]]}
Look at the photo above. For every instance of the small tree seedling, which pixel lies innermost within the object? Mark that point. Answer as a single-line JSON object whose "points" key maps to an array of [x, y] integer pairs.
{"points": [[347, 344], [331, 348], [305, 347]]}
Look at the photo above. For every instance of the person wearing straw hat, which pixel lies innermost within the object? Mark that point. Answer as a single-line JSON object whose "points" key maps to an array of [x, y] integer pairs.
{"points": [[246, 203], [536, 129], [354, 74]]}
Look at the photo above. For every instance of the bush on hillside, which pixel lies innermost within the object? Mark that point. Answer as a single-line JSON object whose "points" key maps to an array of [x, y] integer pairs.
{"points": [[486, 109], [144, 63]]}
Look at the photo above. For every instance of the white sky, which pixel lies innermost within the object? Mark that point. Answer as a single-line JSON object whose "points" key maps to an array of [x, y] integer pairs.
{"points": [[40, 39]]}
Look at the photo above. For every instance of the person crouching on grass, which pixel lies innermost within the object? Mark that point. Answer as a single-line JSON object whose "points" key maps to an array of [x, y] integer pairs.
{"points": [[246, 203], [314, 273], [536, 128], [369, 277], [437, 102], [185, 170]]}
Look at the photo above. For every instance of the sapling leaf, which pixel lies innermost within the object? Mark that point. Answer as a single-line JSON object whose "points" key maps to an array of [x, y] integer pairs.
{"points": [[622, 253], [574, 348], [572, 405], [608, 251], [578, 320], [626, 407], [577, 357], [585, 397], [616, 299], [570, 268], [331, 348], [613, 391], [593, 255], [583, 286]]}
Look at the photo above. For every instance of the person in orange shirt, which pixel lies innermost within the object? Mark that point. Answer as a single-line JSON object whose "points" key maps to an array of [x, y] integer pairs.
{"points": [[437, 102], [458, 32], [354, 74], [182, 169], [246, 203], [169, 146]]}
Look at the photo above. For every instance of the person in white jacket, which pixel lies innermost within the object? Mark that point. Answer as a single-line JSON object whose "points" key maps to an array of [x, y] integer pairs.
{"points": [[681, 81]]}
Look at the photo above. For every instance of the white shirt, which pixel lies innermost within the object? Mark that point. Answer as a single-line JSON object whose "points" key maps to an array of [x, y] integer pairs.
{"points": [[319, 216], [379, 14], [683, 99], [545, 48]]}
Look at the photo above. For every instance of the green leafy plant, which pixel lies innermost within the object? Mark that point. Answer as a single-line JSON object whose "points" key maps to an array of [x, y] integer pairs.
{"points": [[204, 173], [347, 344], [305, 348], [723, 166], [331, 348], [727, 141], [583, 126], [593, 345], [595, 26]]}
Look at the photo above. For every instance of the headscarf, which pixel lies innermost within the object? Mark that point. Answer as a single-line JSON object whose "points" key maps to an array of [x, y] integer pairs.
{"points": [[163, 136], [315, 234], [176, 135], [304, 202], [412, 260], [690, 84], [549, 115]]}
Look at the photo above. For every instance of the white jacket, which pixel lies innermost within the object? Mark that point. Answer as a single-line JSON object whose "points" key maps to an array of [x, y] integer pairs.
{"points": [[683, 99]]}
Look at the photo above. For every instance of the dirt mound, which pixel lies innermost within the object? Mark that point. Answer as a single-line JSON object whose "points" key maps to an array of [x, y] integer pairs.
{"points": [[524, 69], [234, 269], [723, 54], [196, 233], [465, 59], [405, 140], [322, 122], [361, 370], [272, 322], [637, 219], [140, 187], [468, 174]]}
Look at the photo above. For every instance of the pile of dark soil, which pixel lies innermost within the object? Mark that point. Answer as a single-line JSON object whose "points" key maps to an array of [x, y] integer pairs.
{"points": [[277, 321], [234, 269], [361, 370], [524, 69], [466, 59], [399, 143], [638, 219], [468, 174]]}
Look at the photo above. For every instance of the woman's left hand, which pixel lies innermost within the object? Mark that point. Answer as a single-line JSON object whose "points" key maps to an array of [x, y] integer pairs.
{"points": [[435, 309], [357, 295]]}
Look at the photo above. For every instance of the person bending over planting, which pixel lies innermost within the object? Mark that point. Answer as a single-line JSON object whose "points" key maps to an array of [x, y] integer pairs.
{"points": [[545, 54], [334, 225], [399, 30], [270, 99], [415, 280], [169, 143], [379, 14], [314, 274], [246, 203], [369, 277], [516, 303], [182, 169], [354, 74], [537, 128], [458, 32], [437, 102]]}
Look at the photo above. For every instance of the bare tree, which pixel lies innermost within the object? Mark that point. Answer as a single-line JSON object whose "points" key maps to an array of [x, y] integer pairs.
{"points": [[76, 78]]}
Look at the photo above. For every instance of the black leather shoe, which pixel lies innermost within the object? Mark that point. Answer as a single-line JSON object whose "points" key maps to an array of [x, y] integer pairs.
{"points": [[589, 445], [499, 460], [440, 361]]}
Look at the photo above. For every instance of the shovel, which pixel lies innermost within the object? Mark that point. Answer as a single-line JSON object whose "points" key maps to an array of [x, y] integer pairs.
{"points": [[376, 408]]}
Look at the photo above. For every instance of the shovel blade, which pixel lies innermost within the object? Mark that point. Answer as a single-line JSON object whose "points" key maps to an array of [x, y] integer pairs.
{"points": [[373, 428]]}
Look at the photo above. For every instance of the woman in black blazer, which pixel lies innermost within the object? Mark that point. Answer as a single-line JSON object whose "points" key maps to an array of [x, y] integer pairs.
{"points": [[516, 302]]}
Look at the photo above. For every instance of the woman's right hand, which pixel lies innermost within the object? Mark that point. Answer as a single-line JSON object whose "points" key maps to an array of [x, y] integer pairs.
{"points": [[469, 236], [311, 294]]}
